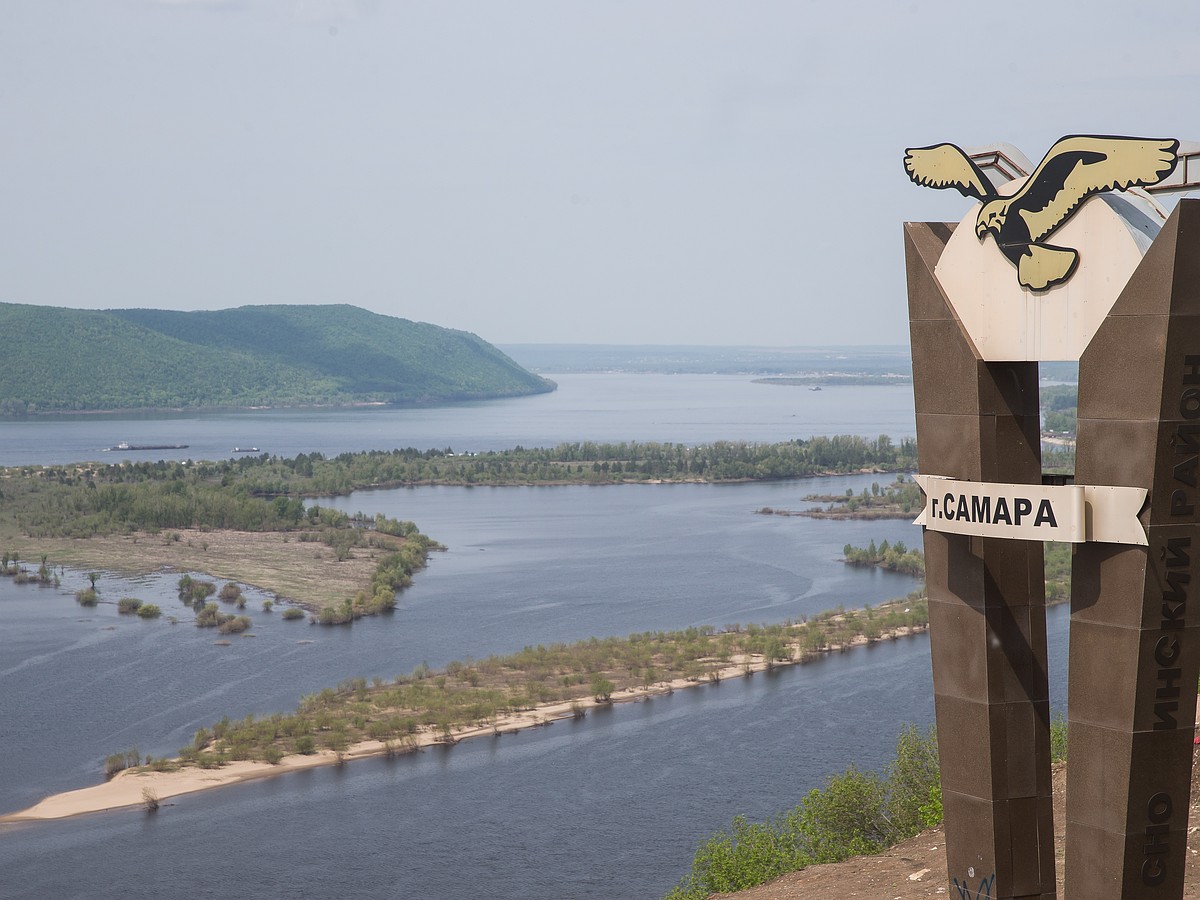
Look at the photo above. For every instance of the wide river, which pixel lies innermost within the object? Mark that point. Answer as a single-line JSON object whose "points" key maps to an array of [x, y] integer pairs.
{"points": [[609, 807]]}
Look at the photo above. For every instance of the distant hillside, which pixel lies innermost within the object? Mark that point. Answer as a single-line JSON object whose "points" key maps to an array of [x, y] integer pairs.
{"points": [[67, 359]]}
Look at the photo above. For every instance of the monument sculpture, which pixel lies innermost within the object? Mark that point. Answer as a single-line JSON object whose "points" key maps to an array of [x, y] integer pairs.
{"points": [[1074, 260]]}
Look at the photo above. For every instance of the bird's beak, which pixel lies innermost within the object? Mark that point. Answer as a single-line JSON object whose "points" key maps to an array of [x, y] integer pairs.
{"points": [[981, 229]]}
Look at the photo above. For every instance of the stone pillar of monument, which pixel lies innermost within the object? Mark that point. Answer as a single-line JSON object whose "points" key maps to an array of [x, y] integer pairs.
{"points": [[979, 421], [1135, 634]]}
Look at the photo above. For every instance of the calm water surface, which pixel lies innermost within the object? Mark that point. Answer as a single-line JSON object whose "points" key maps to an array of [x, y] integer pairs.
{"points": [[688, 409], [609, 807]]}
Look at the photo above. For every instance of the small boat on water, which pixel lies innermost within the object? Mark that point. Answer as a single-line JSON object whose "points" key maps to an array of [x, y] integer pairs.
{"points": [[245, 449], [125, 445]]}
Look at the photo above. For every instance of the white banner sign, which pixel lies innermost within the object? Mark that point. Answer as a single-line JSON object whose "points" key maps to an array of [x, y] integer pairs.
{"points": [[1071, 513]]}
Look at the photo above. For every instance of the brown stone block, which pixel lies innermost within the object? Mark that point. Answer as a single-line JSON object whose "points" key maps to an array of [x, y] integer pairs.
{"points": [[1160, 766], [923, 246], [1016, 653], [1165, 691], [937, 553], [993, 751], [1180, 372], [1014, 572], [1131, 389], [1094, 858], [1046, 850], [958, 636], [965, 748], [1154, 865], [952, 571], [1108, 582], [1025, 848], [1015, 447], [945, 369], [1148, 291], [1116, 452], [1127, 585], [948, 445], [1106, 865], [1021, 749], [1098, 776], [978, 839], [1100, 686], [1157, 356], [1185, 297], [1175, 491], [1116, 777], [1014, 388]]}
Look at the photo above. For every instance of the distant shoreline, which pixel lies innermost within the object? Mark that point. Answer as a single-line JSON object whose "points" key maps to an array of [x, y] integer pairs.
{"points": [[127, 789], [349, 404]]}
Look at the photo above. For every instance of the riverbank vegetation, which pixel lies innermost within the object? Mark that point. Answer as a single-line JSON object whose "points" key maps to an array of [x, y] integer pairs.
{"points": [[898, 557], [136, 505], [857, 812], [65, 507], [55, 499], [263, 493], [902, 499], [1059, 403], [110, 515], [586, 463], [479, 693], [892, 557]]}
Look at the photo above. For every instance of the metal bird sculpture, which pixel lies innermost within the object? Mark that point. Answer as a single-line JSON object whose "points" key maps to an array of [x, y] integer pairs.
{"points": [[1076, 167]]}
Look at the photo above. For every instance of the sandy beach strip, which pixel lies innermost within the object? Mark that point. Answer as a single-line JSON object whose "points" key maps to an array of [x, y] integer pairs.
{"points": [[130, 788]]}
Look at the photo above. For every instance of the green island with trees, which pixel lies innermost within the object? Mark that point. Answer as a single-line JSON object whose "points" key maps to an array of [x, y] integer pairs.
{"points": [[900, 500], [64, 360], [1059, 404], [898, 557], [890, 557], [474, 694], [140, 516]]}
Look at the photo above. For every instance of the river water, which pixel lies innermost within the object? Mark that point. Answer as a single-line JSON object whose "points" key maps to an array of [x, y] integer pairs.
{"points": [[609, 807], [689, 409]]}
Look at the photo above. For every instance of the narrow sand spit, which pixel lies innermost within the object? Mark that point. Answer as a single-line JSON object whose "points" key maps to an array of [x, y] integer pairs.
{"points": [[130, 788]]}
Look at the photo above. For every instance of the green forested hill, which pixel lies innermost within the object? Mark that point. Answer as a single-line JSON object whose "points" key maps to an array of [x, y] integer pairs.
{"points": [[66, 359]]}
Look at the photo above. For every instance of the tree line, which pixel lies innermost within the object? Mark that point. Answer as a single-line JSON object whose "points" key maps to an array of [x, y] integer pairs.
{"points": [[893, 557], [473, 693], [261, 493]]}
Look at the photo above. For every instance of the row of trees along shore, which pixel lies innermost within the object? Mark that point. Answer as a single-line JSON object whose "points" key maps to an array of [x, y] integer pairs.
{"points": [[260, 493], [898, 557], [263, 493]]}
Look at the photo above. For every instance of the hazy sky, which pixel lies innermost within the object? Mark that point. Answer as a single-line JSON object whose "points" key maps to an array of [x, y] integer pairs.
{"points": [[604, 172]]}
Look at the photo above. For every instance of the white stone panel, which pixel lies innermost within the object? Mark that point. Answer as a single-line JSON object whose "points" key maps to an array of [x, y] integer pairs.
{"points": [[1007, 322]]}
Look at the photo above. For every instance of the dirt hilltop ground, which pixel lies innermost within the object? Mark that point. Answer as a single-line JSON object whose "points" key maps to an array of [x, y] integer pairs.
{"points": [[916, 869]]}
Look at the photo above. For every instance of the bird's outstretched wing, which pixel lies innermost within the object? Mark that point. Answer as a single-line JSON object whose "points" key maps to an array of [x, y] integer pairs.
{"points": [[1080, 165], [947, 166]]}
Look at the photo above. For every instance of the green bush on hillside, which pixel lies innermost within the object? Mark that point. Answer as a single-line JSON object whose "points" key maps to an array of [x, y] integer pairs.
{"points": [[855, 813]]}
